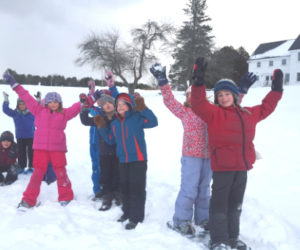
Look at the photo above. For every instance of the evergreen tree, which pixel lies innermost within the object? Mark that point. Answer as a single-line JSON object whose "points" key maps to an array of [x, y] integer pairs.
{"points": [[193, 40]]}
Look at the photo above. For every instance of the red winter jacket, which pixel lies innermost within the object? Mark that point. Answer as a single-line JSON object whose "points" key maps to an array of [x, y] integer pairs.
{"points": [[231, 130]]}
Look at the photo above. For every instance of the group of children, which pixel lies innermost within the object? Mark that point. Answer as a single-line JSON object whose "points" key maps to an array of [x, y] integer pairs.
{"points": [[217, 145]]}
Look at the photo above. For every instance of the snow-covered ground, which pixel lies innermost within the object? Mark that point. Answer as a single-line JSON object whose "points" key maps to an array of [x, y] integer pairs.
{"points": [[270, 218]]}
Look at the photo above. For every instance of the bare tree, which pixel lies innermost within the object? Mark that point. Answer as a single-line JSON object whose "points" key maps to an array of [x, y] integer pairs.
{"points": [[127, 61]]}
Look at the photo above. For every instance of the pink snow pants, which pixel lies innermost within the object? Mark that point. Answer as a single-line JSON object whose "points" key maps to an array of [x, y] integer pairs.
{"points": [[41, 158]]}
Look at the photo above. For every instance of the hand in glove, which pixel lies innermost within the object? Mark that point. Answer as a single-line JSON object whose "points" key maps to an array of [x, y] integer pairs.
{"points": [[109, 79], [8, 78], [98, 93], [99, 121], [84, 101], [91, 85], [38, 96], [277, 80], [139, 103], [199, 71], [246, 82], [159, 72], [5, 96]]}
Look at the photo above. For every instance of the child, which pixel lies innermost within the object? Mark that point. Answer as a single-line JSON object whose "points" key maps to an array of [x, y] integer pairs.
{"points": [[231, 132], [193, 198], [127, 132], [8, 157], [24, 127], [49, 142]]}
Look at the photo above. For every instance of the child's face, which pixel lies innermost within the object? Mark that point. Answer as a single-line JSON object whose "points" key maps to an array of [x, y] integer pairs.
{"points": [[22, 106], [108, 107], [53, 106], [6, 144], [122, 107], [225, 98]]}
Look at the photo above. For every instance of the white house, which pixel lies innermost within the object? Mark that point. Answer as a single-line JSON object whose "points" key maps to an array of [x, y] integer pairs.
{"points": [[269, 56]]}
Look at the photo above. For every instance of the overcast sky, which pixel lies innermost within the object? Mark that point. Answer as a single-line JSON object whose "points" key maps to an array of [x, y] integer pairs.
{"points": [[41, 36]]}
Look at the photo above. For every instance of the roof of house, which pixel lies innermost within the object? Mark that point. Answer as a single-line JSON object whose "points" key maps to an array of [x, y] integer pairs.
{"points": [[296, 44], [267, 46]]}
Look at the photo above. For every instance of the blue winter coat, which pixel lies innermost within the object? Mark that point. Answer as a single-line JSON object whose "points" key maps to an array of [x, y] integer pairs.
{"points": [[128, 134], [24, 121]]}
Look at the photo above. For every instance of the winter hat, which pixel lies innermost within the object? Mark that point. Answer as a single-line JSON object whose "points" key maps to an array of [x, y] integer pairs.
{"points": [[52, 97], [106, 98], [7, 136], [126, 98], [226, 84], [19, 101]]}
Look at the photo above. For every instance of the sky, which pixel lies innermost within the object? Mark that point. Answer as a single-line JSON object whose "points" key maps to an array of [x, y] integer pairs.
{"points": [[42, 37], [270, 218]]}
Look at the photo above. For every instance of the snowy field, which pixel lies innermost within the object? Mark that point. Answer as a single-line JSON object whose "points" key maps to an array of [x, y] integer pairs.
{"points": [[270, 218]]}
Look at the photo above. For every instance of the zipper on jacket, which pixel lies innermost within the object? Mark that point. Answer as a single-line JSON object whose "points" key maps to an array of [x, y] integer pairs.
{"points": [[243, 136], [123, 139]]}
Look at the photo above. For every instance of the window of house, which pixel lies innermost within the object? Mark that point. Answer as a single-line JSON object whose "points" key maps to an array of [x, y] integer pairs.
{"points": [[287, 78], [270, 63], [298, 77], [258, 64], [283, 62], [267, 78]]}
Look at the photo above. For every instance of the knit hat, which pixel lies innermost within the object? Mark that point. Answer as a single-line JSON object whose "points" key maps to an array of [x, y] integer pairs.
{"points": [[7, 136], [20, 101], [125, 98], [226, 84], [52, 97], [106, 98]]}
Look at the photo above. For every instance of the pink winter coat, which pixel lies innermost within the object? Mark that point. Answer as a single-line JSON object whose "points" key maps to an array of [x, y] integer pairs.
{"points": [[195, 136], [49, 134]]}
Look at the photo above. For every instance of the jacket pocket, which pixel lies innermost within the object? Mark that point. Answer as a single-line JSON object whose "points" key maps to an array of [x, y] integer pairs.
{"points": [[226, 157]]}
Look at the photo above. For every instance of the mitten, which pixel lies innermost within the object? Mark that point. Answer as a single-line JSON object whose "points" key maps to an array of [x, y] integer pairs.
{"points": [[10, 79], [109, 79], [159, 72], [38, 96], [5, 96], [98, 93], [91, 85], [139, 104], [199, 71], [84, 101], [246, 82], [277, 80], [99, 121]]}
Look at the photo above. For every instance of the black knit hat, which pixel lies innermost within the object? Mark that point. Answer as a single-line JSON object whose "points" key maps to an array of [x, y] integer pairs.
{"points": [[7, 136]]}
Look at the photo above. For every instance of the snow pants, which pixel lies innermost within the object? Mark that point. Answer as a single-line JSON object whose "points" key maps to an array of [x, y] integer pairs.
{"points": [[25, 152], [110, 179], [11, 176], [133, 189], [194, 195], [228, 191], [41, 159], [94, 153]]}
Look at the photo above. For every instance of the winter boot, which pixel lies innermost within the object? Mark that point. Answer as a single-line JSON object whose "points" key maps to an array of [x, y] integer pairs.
{"points": [[23, 206], [107, 202], [130, 225], [117, 197], [204, 225], [64, 203], [219, 246], [238, 244], [185, 228], [98, 196], [122, 218]]}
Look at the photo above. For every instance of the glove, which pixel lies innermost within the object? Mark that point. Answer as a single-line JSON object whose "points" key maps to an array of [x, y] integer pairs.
{"points": [[159, 72], [10, 79], [98, 93], [84, 101], [246, 82], [139, 104], [91, 85], [99, 121], [5, 95], [38, 96], [199, 71], [277, 80], [109, 79]]}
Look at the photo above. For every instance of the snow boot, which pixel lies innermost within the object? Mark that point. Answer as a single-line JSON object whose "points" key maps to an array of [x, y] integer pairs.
{"points": [[107, 202], [238, 244], [98, 196], [185, 228], [64, 203], [23, 206], [117, 197], [122, 218], [219, 246], [130, 225]]}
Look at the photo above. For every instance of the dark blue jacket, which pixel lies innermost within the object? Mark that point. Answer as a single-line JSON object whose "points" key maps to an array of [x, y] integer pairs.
{"points": [[128, 134], [24, 121]]}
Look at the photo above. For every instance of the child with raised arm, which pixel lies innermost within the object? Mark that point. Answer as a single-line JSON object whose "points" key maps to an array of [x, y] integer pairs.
{"points": [[49, 142], [231, 131], [127, 132]]}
